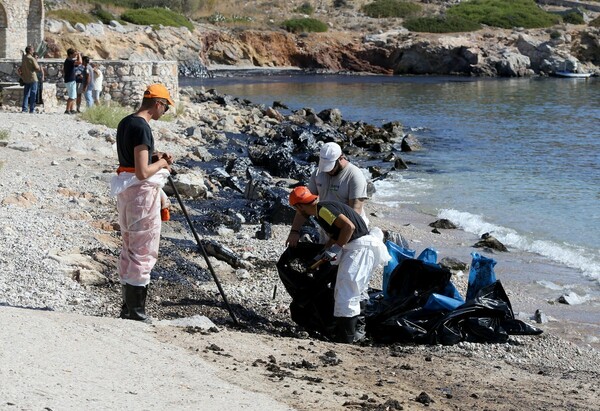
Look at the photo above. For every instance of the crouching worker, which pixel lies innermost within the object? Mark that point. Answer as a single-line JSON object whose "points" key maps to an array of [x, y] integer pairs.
{"points": [[138, 186], [353, 248]]}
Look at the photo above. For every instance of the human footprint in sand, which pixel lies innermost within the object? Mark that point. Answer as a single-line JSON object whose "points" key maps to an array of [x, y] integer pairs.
{"points": [[138, 186]]}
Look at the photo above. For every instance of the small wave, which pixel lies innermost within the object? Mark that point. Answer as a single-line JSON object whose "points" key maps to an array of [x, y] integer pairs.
{"points": [[571, 256], [399, 190], [550, 285]]}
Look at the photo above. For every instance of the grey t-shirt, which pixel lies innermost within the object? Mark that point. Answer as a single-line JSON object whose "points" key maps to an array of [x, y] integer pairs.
{"points": [[349, 184]]}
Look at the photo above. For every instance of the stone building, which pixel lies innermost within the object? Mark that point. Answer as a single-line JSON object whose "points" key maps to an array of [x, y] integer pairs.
{"points": [[21, 23]]}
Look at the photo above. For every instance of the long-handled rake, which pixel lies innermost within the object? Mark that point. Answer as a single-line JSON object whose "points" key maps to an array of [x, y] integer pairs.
{"points": [[203, 251]]}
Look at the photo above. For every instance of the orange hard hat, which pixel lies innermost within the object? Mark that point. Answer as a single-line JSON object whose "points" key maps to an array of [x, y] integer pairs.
{"points": [[301, 195]]}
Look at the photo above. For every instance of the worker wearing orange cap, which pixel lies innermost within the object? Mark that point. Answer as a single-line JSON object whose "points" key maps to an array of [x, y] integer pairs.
{"points": [[352, 247], [138, 186]]}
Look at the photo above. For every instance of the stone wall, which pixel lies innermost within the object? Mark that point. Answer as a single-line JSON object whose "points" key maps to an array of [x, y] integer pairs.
{"points": [[124, 81], [13, 96], [21, 23]]}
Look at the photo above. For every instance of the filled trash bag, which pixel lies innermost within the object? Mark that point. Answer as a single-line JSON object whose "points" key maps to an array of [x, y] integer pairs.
{"points": [[311, 290], [486, 318], [481, 274], [415, 277], [428, 255], [398, 254], [438, 302], [400, 316]]}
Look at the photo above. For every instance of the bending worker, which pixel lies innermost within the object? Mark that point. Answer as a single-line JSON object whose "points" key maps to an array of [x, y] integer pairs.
{"points": [[353, 248], [141, 175], [335, 179]]}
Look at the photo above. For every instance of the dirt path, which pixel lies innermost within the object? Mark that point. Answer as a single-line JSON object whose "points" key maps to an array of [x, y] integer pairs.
{"points": [[58, 361]]}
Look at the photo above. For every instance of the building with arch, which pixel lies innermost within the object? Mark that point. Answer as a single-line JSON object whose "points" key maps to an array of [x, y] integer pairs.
{"points": [[21, 23]]}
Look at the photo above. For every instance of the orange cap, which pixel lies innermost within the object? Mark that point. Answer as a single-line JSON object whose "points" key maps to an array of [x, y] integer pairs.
{"points": [[158, 91], [301, 195]]}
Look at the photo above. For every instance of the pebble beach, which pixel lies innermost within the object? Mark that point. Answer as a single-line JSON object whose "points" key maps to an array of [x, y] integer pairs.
{"points": [[59, 243]]}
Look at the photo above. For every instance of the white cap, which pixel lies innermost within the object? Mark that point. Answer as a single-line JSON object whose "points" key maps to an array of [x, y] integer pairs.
{"points": [[330, 152]]}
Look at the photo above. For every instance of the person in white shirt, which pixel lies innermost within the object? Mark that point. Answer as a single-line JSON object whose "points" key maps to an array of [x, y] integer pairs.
{"points": [[97, 85]]}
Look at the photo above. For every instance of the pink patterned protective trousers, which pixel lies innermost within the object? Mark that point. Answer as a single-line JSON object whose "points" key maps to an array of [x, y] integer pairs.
{"points": [[139, 217]]}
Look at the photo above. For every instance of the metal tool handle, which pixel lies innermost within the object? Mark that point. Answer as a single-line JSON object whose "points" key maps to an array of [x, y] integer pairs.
{"points": [[203, 251]]}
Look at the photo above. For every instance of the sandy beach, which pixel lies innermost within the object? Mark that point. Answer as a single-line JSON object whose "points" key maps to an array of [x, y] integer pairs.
{"points": [[62, 347]]}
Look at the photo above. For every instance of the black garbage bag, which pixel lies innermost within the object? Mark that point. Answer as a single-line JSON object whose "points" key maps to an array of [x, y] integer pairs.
{"points": [[413, 277], [486, 318], [311, 290], [400, 317]]}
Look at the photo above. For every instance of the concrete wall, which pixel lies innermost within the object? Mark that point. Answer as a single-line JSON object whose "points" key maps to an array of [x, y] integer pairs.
{"points": [[21, 23], [124, 81]]}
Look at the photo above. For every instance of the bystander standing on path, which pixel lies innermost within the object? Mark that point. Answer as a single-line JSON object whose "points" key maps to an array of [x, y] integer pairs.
{"points": [[73, 60], [88, 82], [28, 72], [97, 83], [39, 100]]}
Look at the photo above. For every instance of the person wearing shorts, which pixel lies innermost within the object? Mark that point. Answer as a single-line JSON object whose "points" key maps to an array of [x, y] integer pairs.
{"points": [[73, 60]]}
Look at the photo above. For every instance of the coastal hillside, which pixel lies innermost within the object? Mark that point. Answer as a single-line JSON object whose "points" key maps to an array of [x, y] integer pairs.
{"points": [[381, 36]]}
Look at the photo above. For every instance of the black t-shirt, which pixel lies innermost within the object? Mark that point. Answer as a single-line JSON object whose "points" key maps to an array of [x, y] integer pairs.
{"points": [[131, 132], [328, 211], [69, 70]]}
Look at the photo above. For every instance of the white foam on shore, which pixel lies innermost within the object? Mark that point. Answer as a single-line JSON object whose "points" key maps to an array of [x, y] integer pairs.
{"points": [[397, 190], [584, 260]]}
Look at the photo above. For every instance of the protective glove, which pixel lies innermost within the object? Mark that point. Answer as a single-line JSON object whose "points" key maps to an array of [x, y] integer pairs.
{"points": [[331, 253]]}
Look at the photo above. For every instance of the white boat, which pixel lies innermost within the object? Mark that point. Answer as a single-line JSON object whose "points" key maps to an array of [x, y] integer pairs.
{"points": [[571, 74]]}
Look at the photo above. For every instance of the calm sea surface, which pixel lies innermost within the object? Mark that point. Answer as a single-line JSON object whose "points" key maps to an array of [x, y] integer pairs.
{"points": [[518, 158]]}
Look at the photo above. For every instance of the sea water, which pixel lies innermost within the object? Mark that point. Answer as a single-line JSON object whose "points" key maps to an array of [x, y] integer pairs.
{"points": [[518, 158]]}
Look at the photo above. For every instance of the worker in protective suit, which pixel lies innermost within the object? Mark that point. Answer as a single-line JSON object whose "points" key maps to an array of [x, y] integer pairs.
{"points": [[138, 186], [353, 248]]}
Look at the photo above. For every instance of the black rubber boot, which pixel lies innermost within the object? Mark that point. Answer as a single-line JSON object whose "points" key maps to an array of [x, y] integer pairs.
{"points": [[135, 303], [124, 310], [346, 331]]}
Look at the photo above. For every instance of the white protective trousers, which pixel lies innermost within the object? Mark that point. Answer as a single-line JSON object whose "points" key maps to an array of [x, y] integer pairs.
{"points": [[355, 266], [138, 203]]}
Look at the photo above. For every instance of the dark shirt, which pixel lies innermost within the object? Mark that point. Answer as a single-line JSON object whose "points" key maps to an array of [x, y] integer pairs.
{"points": [[69, 70], [328, 211], [131, 132], [79, 73]]}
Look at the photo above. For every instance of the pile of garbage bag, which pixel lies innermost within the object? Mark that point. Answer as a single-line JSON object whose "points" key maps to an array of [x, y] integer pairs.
{"points": [[418, 303]]}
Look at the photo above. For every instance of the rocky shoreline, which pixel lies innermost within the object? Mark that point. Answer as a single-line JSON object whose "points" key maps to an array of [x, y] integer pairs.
{"points": [[392, 50], [60, 242]]}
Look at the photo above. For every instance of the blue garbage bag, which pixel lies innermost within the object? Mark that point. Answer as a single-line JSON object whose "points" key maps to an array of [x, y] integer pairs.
{"points": [[428, 255], [398, 254], [481, 274], [452, 292], [438, 302], [449, 300]]}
